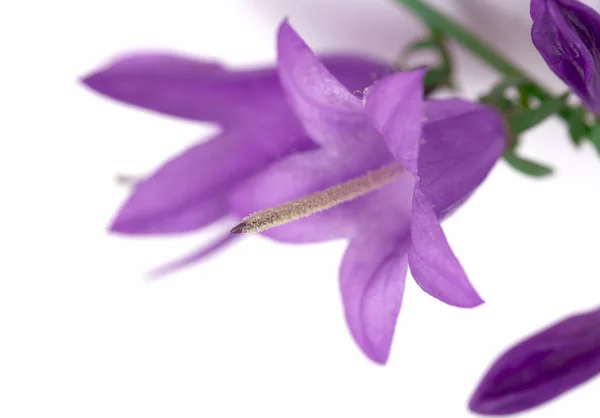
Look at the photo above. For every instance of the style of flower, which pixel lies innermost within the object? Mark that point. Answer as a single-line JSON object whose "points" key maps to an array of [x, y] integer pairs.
{"points": [[191, 190], [541, 367], [446, 149], [567, 35]]}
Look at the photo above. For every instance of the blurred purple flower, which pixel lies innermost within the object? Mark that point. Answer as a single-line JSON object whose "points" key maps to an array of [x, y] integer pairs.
{"points": [[398, 225], [542, 367], [191, 190], [567, 35]]}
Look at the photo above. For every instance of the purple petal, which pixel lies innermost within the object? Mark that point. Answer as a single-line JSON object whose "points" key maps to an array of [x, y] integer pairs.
{"points": [[372, 280], [201, 90], [432, 263], [194, 257], [566, 34], [331, 115], [355, 72], [542, 367], [190, 190], [180, 86], [395, 107], [462, 141]]}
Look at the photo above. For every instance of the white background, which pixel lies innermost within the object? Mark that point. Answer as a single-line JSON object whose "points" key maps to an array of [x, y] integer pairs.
{"points": [[257, 330]]}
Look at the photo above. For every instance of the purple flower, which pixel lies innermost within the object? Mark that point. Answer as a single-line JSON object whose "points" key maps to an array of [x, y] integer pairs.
{"points": [[191, 190], [447, 148], [567, 35], [542, 367]]}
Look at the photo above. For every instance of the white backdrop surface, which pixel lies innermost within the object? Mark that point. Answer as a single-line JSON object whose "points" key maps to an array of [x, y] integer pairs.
{"points": [[256, 330]]}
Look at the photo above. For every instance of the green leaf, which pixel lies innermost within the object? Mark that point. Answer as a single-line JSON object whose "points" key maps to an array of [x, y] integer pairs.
{"points": [[441, 23], [436, 78], [528, 118], [499, 89], [504, 105], [421, 44], [527, 166], [575, 118], [497, 95], [594, 136]]}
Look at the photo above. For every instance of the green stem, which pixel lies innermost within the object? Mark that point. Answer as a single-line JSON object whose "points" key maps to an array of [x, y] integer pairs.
{"points": [[436, 20]]}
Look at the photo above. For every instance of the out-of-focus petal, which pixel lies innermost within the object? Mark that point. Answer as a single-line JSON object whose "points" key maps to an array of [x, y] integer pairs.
{"points": [[372, 279], [395, 107], [566, 33], [541, 367], [194, 257], [432, 262], [331, 115], [190, 190], [201, 90], [462, 141], [182, 87]]}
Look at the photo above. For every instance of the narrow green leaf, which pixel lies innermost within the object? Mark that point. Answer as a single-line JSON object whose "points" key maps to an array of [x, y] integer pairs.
{"points": [[436, 78], [528, 118], [499, 89], [594, 136], [527, 166], [497, 95], [578, 129], [441, 23], [420, 45], [504, 105]]}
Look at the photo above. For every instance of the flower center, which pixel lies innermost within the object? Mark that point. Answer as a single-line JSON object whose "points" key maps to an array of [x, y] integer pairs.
{"points": [[319, 201]]}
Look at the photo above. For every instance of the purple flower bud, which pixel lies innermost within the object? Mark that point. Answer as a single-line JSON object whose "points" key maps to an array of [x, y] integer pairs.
{"points": [[542, 367], [566, 33]]}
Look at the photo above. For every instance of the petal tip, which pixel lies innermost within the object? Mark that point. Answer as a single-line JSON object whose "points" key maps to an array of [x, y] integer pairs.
{"points": [[380, 356], [285, 28], [473, 302], [288, 39], [475, 405], [118, 226], [91, 80], [377, 353], [124, 224], [468, 301]]}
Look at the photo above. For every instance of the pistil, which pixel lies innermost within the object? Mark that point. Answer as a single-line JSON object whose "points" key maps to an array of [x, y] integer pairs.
{"points": [[319, 201]]}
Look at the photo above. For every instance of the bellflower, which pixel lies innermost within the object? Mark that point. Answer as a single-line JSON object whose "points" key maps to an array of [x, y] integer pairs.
{"points": [[446, 147], [542, 367], [191, 190], [567, 35]]}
